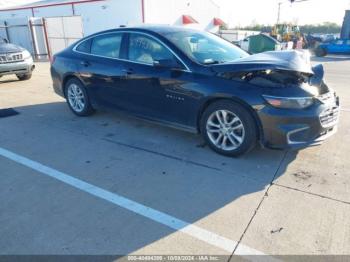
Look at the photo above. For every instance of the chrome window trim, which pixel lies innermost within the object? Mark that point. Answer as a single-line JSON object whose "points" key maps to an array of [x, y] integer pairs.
{"points": [[126, 60]]}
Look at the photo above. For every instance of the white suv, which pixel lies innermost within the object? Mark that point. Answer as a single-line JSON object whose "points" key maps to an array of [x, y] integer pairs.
{"points": [[15, 60]]}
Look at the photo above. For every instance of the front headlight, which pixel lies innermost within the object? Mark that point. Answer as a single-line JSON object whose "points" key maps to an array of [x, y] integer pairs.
{"points": [[26, 54], [289, 102]]}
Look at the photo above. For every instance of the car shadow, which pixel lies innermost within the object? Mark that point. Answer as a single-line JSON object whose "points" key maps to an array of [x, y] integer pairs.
{"points": [[169, 170]]}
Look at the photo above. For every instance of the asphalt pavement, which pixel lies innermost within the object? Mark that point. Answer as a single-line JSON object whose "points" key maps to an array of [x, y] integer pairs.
{"points": [[114, 185]]}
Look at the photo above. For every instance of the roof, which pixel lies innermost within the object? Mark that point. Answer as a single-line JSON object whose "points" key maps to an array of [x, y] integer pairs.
{"points": [[187, 19], [160, 29]]}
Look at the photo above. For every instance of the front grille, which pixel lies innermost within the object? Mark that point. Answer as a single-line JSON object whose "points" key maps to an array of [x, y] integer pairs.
{"points": [[11, 58], [329, 117], [327, 97]]}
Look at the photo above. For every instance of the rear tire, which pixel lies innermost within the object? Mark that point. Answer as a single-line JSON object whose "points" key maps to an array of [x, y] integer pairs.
{"points": [[229, 128], [320, 52], [77, 98], [24, 76]]}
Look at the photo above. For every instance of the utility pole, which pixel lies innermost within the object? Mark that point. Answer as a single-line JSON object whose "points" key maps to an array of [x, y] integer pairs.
{"points": [[279, 12]]}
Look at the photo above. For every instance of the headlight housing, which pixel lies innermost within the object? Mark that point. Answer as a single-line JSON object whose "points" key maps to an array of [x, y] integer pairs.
{"points": [[26, 54], [289, 102]]}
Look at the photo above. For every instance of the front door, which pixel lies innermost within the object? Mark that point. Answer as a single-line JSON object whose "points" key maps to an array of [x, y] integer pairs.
{"points": [[157, 92]]}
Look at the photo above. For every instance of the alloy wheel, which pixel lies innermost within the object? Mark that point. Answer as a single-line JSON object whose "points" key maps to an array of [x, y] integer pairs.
{"points": [[76, 97], [225, 130]]}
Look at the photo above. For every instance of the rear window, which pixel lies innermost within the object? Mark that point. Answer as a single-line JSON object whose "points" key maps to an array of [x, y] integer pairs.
{"points": [[107, 45], [84, 46]]}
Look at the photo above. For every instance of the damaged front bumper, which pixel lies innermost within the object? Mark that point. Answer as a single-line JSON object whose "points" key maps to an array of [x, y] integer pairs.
{"points": [[301, 128], [325, 134]]}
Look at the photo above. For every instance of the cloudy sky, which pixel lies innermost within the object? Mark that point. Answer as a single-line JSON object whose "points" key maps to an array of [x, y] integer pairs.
{"points": [[246, 12]]}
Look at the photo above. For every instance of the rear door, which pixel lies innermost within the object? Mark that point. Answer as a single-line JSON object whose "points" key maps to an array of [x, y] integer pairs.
{"points": [[102, 70]]}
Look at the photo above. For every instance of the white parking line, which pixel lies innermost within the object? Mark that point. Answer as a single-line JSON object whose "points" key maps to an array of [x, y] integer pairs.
{"points": [[155, 215]]}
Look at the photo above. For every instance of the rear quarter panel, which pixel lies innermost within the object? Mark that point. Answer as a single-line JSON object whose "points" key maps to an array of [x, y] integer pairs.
{"points": [[65, 65]]}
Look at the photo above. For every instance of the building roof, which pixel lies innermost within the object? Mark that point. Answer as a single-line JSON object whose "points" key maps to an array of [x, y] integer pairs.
{"points": [[22, 4]]}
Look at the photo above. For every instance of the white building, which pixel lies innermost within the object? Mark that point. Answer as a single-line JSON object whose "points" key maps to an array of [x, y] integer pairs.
{"points": [[100, 15]]}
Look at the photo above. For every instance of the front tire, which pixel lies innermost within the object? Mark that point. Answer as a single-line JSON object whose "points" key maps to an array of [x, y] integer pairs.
{"points": [[228, 128], [24, 76], [77, 98]]}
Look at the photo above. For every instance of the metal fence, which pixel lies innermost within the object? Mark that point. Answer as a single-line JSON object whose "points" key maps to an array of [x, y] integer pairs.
{"points": [[26, 33], [42, 37]]}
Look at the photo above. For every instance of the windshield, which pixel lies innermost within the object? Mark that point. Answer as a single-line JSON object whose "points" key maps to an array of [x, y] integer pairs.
{"points": [[205, 48]]}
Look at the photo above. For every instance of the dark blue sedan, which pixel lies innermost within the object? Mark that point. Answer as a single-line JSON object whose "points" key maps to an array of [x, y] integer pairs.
{"points": [[196, 81]]}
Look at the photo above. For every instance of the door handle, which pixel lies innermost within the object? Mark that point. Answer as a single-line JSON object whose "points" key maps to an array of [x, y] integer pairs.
{"points": [[85, 63]]}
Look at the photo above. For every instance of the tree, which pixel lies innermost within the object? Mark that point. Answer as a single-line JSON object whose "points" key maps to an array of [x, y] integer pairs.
{"points": [[324, 28]]}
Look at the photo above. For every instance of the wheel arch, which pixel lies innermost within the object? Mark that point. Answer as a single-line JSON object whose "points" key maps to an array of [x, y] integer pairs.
{"points": [[66, 78], [239, 101]]}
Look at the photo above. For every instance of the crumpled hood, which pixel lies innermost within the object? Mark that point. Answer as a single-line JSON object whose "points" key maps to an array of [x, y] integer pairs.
{"points": [[298, 61], [9, 48]]}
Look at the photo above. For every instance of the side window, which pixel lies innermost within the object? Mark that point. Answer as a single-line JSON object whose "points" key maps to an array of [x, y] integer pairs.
{"points": [[84, 46], [144, 49], [107, 45]]}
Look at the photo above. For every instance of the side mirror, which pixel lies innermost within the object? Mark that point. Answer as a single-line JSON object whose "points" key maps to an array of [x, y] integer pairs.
{"points": [[6, 41], [166, 63]]}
